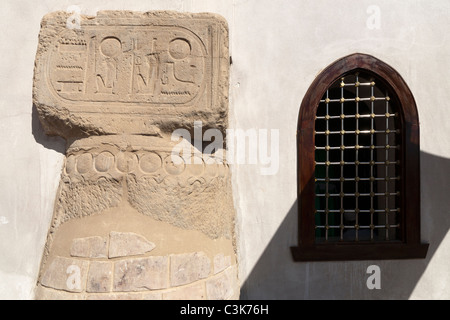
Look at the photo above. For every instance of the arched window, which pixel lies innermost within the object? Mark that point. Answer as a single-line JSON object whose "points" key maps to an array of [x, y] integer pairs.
{"points": [[358, 165]]}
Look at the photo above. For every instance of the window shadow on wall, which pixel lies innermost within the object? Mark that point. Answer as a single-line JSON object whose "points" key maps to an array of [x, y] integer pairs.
{"points": [[277, 276], [57, 144]]}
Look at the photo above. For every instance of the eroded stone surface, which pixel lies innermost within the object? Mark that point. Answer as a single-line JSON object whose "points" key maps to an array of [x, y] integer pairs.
{"points": [[43, 293], [221, 262], [99, 277], [189, 267], [123, 244], [141, 274], [190, 292], [164, 64], [130, 74], [190, 196], [126, 296], [223, 286], [80, 198], [66, 274], [139, 279], [186, 201], [116, 88], [91, 247]]}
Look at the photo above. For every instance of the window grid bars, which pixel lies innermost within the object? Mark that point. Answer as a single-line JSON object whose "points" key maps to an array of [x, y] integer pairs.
{"points": [[372, 128], [372, 162], [327, 168], [341, 216], [387, 169], [356, 160]]}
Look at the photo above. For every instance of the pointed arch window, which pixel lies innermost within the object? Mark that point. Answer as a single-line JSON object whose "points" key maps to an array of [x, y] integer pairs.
{"points": [[358, 165]]}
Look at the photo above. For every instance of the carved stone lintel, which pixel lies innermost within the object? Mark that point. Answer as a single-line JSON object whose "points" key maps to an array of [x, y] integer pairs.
{"points": [[131, 73]]}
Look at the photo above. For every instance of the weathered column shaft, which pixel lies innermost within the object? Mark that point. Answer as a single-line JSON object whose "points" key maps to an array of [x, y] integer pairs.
{"points": [[134, 219]]}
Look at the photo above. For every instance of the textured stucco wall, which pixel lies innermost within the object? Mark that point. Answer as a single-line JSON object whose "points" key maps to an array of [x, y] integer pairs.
{"points": [[278, 47]]}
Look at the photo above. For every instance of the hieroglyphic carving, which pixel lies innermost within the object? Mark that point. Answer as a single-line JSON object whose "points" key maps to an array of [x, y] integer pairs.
{"points": [[149, 65], [152, 65], [116, 87], [69, 66], [132, 66], [157, 185]]}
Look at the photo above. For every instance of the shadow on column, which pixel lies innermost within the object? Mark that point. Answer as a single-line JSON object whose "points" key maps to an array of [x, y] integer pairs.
{"points": [[57, 144]]}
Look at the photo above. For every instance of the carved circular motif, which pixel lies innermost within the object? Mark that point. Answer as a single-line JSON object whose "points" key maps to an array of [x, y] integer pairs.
{"points": [[70, 164], [84, 163], [104, 161], [111, 47], [179, 48], [174, 164], [150, 162], [126, 162]]}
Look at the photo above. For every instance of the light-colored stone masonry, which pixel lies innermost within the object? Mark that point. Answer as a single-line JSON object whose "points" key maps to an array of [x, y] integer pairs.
{"points": [[132, 276], [130, 221]]}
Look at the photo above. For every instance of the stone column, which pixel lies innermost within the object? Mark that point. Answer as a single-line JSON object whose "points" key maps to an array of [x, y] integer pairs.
{"points": [[133, 219]]}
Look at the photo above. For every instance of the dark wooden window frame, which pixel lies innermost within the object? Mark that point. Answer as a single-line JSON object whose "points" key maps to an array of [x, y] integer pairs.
{"points": [[410, 246]]}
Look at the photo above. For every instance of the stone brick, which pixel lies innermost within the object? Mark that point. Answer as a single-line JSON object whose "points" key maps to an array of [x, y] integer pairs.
{"points": [[221, 262], [66, 274], [85, 82], [126, 296], [91, 247], [190, 292], [141, 274], [114, 296], [43, 293], [99, 277], [223, 285], [65, 96], [123, 244], [151, 296], [189, 267]]}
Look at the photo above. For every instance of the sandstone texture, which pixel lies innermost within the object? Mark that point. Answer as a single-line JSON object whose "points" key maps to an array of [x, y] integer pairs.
{"points": [[99, 277], [116, 87], [189, 267], [189, 277], [92, 247], [140, 274], [131, 73], [128, 244], [66, 274]]}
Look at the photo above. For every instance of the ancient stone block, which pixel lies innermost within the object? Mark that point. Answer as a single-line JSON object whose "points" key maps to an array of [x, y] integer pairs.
{"points": [[146, 65], [91, 247], [223, 285], [66, 274], [123, 244], [151, 296], [114, 296], [99, 277], [189, 267], [43, 293], [126, 296], [141, 274], [190, 292], [116, 88], [221, 262]]}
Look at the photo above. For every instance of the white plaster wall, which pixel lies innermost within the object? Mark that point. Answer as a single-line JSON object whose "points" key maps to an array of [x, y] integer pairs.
{"points": [[278, 47]]}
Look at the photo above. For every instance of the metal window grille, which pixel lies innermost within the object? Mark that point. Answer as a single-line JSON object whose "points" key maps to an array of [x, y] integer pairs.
{"points": [[357, 175]]}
